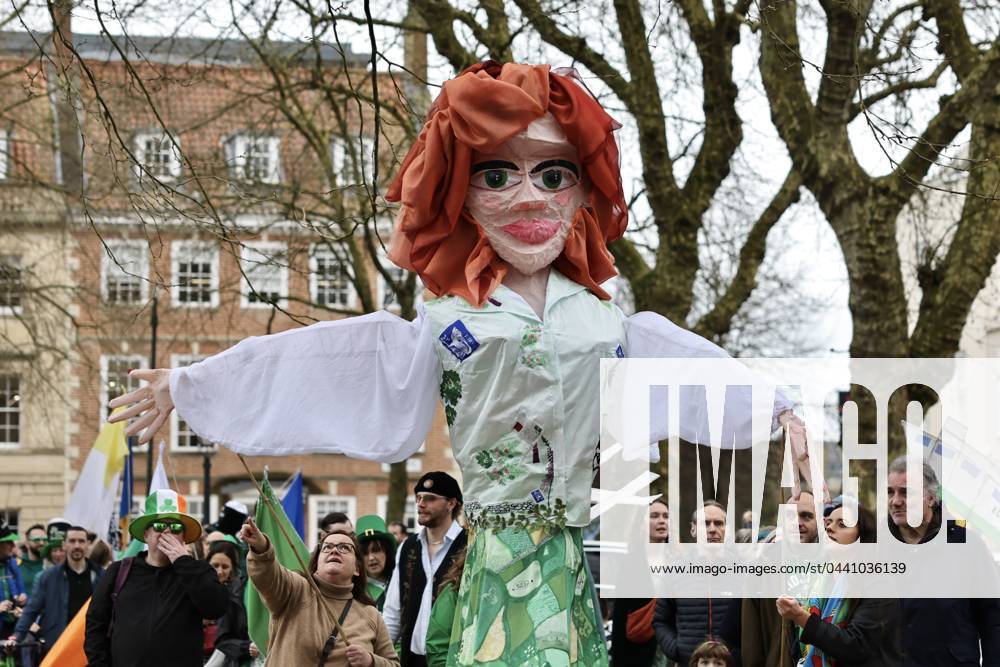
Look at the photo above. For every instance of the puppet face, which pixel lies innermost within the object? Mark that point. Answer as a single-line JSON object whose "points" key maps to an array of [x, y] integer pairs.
{"points": [[525, 193]]}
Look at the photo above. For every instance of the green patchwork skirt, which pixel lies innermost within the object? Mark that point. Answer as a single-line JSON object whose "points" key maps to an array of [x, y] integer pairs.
{"points": [[527, 598]]}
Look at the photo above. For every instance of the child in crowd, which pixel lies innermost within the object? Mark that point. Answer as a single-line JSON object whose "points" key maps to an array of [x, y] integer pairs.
{"points": [[711, 654]]}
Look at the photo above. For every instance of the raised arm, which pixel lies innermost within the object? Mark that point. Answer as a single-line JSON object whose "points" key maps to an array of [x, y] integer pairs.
{"points": [[364, 386], [650, 335]]}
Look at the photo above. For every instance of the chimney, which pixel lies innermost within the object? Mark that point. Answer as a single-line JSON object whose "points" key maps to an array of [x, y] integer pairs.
{"points": [[415, 60], [65, 77]]}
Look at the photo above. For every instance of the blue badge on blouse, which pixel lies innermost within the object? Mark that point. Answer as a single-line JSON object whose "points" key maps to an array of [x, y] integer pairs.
{"points": [[619, 352], [537, 495], [458, 340]]}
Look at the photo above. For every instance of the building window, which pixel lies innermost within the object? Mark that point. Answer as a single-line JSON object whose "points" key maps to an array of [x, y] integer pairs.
{"points": [[124, 268], [409, 512], [387, 296], [196, 506], [320, 506], [183, 438], [10, 410], [11, 284], [414, 464], [10, 517], [196, 274], [157, 155], [254, 158], [265, 269], [4, 154], [115, 380], [349, 153], [329, 282]]}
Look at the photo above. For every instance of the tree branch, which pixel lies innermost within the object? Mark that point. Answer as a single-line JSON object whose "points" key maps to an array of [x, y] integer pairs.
{"points": [[780, 60], [723, 128], [440, 17], [953, 38], [952, 116], [628, 260], [946, 302], [577, 48], [898, 88], [718, 321]]}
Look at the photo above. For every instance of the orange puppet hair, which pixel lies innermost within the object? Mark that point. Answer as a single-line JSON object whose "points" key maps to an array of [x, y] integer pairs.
{"points": [[478, 110]]}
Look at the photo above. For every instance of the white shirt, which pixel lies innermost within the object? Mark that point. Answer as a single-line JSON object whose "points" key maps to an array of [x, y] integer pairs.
{"points": [[391, 612], [521, 394]]}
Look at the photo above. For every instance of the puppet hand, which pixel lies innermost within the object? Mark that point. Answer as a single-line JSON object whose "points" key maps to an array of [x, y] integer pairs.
{"points": [[798, 439], [151, 402]]}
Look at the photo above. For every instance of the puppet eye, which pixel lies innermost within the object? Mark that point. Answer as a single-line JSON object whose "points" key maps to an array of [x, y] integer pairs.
{"points": [[554, 179], [495, 179]]}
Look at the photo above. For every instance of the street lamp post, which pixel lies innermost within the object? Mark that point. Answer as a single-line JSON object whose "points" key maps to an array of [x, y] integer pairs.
{"points": [[153, 322]]}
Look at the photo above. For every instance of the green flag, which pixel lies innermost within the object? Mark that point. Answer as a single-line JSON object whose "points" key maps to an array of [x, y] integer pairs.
{"points": [[258, 616]]}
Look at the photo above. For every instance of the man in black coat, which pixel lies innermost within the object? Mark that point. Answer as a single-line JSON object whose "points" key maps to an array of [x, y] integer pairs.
{"points": [[60, 591], [940, 632], [150, 614], [684, 623]]}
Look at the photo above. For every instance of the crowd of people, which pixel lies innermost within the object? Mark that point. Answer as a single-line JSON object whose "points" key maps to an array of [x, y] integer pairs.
{"points": [[813, 632], [379, 596]]}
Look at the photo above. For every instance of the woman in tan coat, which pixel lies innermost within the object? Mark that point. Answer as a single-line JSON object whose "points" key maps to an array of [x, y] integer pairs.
{"points": [[301, 630]]}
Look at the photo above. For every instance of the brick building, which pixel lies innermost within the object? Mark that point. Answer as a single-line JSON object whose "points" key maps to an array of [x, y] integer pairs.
{"points": [[207, 207]]}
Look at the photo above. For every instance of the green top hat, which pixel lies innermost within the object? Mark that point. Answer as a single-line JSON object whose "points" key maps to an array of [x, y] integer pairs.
{"points": [[162, 505], [372, 527], [7, 535]]}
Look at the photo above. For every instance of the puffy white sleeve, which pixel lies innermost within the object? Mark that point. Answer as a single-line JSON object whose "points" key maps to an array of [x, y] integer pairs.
{"points": [[363, 386], [649, 335]]}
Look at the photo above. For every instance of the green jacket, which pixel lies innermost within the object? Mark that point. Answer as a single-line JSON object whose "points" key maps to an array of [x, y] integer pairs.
{"points": [[439, 626]]}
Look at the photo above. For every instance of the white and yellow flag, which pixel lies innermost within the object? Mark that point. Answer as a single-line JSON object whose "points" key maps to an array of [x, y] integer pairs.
{"points": [[96, 492]]}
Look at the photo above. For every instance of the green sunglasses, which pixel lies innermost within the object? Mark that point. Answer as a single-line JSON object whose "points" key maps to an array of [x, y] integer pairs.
{"points": [[172, 526]]}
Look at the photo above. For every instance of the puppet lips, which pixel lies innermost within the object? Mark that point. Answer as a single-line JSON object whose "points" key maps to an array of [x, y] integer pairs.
{"points": [[534, 230]]}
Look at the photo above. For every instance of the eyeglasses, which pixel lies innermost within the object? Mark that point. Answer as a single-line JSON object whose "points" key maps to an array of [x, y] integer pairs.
{"points": [[342, 548], [175, 528]]}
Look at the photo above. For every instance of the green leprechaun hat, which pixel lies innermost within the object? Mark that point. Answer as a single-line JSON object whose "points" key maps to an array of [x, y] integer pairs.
{"points": [[372, 527], [163, 505]]}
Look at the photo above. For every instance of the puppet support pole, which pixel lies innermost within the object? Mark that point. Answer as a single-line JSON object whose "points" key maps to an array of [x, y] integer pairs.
{"points": [[288, 541]]}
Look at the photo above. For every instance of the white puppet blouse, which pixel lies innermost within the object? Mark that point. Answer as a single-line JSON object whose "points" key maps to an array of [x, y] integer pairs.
{"points": [[520, 394]]}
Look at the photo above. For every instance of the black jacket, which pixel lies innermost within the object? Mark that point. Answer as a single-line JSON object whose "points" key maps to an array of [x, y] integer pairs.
{"points": [[682, 624], [870, 639], [946, 632], [232, 637], [159, 617]]}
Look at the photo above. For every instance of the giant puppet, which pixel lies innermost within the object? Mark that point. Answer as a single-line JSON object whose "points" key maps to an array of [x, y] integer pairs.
{"points": [[508, 200]]}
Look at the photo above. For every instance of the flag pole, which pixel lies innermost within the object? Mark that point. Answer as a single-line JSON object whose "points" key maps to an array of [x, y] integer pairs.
{"points": [[288, 540]]}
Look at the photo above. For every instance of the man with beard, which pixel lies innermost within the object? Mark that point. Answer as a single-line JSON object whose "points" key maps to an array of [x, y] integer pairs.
{"points": [[32, 561], [422, 561], [60, 591]]}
